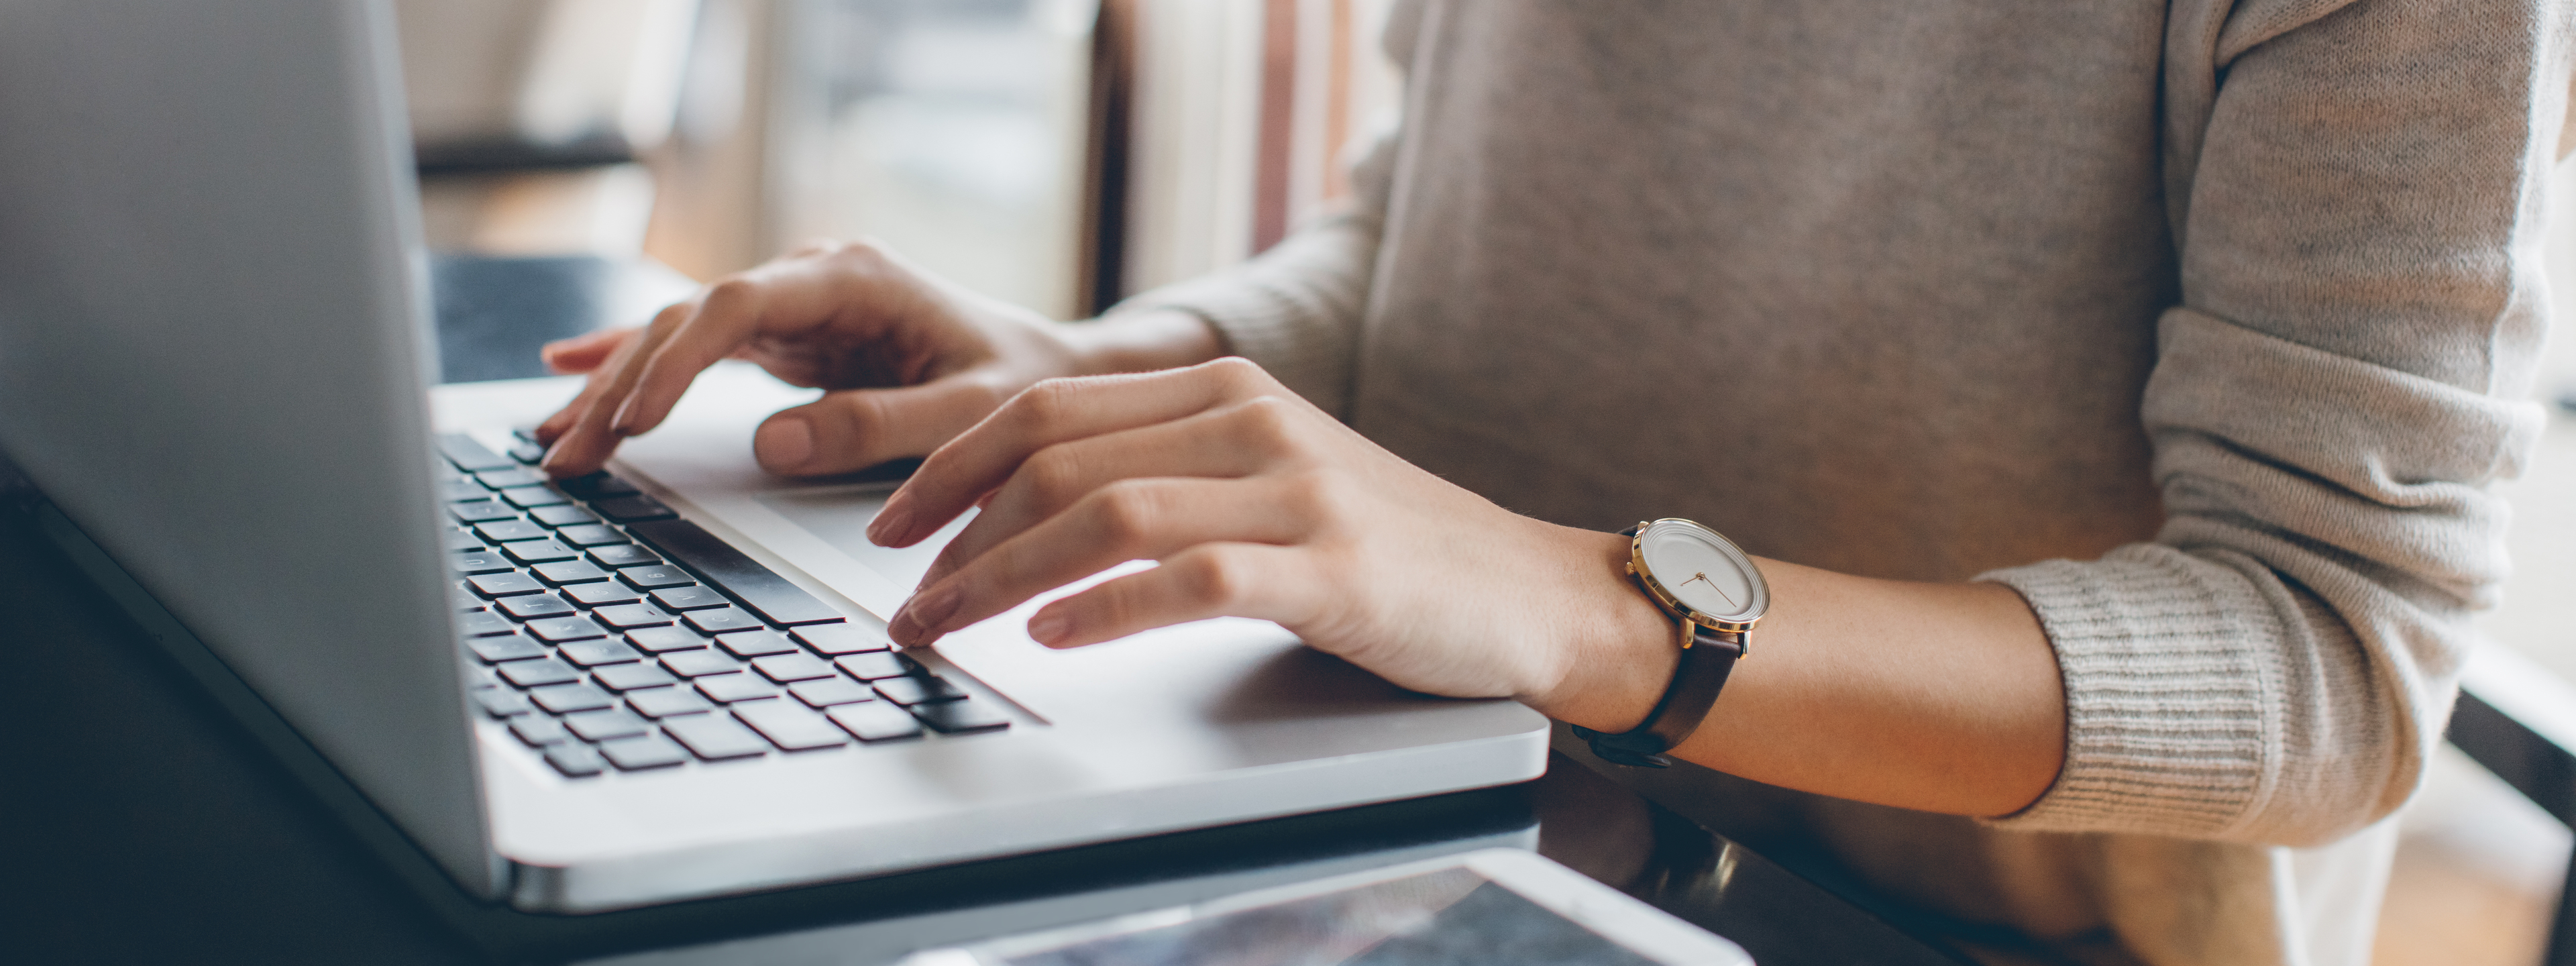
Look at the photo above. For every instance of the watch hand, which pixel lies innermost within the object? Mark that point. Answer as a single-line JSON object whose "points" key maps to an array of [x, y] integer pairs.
{"points": [[1712, 585]]}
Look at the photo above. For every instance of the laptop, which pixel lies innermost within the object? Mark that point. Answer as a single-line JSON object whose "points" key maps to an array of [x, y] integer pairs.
{"points": [[665, 682]]}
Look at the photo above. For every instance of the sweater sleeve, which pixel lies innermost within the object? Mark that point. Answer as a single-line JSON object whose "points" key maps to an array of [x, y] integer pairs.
{"points": [[1296, 308], [2356, 201]]}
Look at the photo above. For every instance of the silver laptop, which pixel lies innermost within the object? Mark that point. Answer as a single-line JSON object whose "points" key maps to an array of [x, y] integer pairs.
{"points": [[666, 682]]}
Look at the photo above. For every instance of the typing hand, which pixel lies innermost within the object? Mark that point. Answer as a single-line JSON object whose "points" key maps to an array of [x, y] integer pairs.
{"points": [[911, 361], [1257, 504]]}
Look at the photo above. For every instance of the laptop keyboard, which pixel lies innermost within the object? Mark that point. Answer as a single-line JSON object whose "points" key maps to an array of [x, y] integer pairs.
{"points": [[609, 634]]}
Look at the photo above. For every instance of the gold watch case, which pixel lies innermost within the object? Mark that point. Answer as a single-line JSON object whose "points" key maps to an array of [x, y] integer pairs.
{"points": [[1712, 547]]}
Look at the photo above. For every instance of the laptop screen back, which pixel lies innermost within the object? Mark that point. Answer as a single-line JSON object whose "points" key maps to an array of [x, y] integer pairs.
{"points": [[212, 359]]}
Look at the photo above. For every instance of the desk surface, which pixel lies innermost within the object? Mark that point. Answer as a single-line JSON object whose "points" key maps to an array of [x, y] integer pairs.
{"points": [[143, 826]]}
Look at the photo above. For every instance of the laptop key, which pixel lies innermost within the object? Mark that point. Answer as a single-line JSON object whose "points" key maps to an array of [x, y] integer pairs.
{"points": [[569, 572], [501, 702], [494, 650], [761, 589], [699, 663], [791, 668], [827, 692], [666, 702], [504, 584], [791, 726], [918, 689], [453, 539], [538, 730], [506, 478], [462, 598], [960, 717], [833, 640], [721, 620], [538, 551], [658, 640], [527, 452], [625, 616], [873, 666], [539, 673], [462, 489], [468, 455], [875, 721], [528, 607], [484, 623], [729, 688], [570, 698], [557, 630], [479, 562], [596, 486], [622, 678], [598, 652], [692, 597], [478, 511], [561, 515], [607, 725], [655, 577], [531, 497], [575, 760], [602, 594], [714, 737], [619, 554], [631, 508], [500, 531], [601, 536], [637, 754], [751, 644]]}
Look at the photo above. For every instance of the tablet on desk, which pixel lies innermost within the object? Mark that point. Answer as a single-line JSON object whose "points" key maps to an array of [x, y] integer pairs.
{"points": [[1492, 906]]}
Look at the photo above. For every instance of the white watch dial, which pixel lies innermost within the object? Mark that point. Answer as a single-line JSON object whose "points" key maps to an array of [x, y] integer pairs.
{"points": [[1703, 570]]}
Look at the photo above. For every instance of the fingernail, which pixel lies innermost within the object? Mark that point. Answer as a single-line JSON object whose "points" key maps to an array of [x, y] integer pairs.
{"points": [[783, 444], [622, 425], [1049, 628], [928, 610], [892, 522]]}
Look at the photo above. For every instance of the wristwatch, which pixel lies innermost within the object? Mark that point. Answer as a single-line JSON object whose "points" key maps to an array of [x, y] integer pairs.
{"points": [[1715, 595]]}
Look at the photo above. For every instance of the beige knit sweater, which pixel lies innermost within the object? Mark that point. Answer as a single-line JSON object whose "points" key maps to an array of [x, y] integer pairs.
{"points": [[2205, 325]]}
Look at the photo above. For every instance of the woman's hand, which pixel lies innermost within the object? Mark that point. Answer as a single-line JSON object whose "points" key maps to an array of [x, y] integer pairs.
{"points": [[1257, 504], [911, 360]]}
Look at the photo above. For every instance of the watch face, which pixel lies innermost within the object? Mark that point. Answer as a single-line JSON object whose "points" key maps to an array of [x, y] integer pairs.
{"points": [[1703, 571]]}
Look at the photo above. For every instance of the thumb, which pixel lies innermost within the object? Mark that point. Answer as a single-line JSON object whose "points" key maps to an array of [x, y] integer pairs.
{"points": [[859, 428]]}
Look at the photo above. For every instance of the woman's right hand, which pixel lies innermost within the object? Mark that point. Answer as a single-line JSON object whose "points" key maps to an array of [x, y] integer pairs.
{"points": [[908, 360]]}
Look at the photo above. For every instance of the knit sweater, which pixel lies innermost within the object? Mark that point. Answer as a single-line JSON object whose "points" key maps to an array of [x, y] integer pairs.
{"points": [[2205, 325]]}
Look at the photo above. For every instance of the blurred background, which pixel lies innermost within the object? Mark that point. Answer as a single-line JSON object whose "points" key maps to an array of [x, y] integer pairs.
{"points": [[1065, 153], [1056, 153]]}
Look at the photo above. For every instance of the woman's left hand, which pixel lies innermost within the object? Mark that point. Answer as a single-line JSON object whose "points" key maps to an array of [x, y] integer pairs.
{"points": [[1259, 505]]}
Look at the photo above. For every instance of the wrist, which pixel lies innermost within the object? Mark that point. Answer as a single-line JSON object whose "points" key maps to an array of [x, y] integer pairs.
{"points": [[1139, 341], [1617, 651]]}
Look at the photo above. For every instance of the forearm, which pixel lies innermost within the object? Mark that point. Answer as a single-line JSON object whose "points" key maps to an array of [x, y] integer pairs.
{"points": [[1144, 340], [1937, 697]]}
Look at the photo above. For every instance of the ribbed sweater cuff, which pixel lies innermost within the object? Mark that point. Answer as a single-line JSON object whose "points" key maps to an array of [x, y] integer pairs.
{"points": [[2164, 660], [1295, 310]]}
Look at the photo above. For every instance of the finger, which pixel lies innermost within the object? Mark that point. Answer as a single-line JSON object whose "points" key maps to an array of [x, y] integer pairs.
{"points": [[851, 430], [585, 442], [1229, 441], [1051, 412], [554, 426], [583, 353], [853, 287], [1144, 519], [1209, 580]]}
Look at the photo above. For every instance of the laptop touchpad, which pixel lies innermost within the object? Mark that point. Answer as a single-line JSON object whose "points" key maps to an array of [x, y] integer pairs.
{"points": [[839, 515]]}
